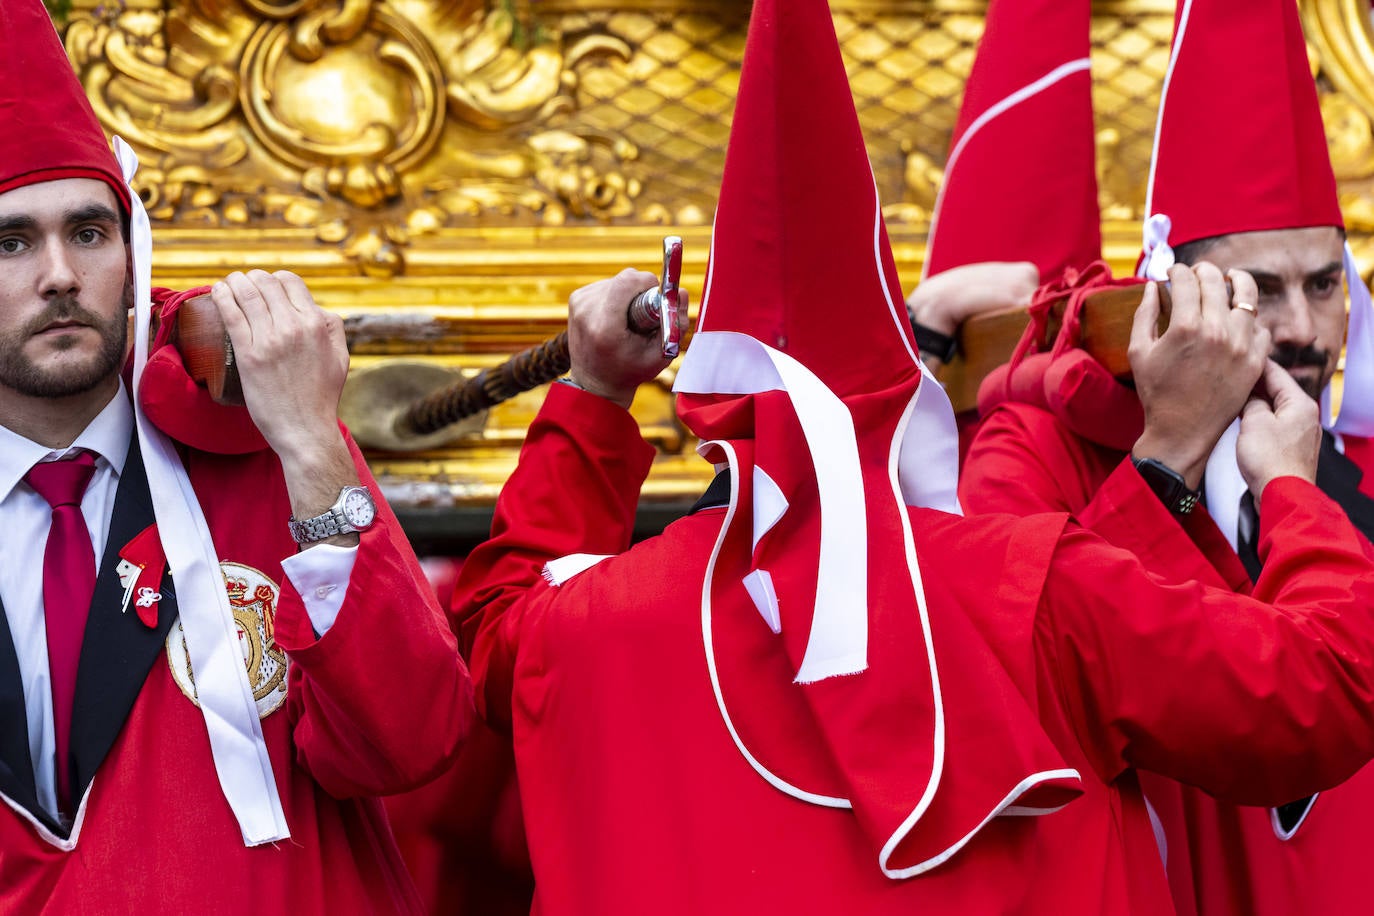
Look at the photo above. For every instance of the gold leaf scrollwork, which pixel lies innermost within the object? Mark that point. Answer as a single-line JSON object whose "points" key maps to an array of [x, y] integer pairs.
{"points": [[1341, 45], [368, 121]]}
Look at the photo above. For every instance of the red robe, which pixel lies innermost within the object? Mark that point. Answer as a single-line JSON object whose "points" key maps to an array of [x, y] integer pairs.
{"points": [[638, 801], [1222, 858], [375, 706]]}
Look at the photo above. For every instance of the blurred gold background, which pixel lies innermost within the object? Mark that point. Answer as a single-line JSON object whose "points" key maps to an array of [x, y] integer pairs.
{"points": [[445, 172]]}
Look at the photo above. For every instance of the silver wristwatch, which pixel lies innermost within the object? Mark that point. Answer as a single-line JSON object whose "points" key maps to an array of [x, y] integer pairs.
{"points": [[353, 511]]}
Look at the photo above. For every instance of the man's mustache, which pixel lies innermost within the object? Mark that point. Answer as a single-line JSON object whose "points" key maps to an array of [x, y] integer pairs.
{"points": [[63, 308], [1291, 356]]}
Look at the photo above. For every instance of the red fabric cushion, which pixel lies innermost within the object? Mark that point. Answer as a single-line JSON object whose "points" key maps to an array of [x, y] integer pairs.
{"points": [[1084, 396]]}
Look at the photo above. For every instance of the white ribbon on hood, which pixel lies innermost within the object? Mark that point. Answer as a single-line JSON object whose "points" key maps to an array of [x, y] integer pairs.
{"points": [[726, 362], [212, 645], [1158, 256]]}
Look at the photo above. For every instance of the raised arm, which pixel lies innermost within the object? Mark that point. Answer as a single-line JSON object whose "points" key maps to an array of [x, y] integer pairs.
{"points": [[1192, 381], [575, 489], [350, 599], [1253, 699]]}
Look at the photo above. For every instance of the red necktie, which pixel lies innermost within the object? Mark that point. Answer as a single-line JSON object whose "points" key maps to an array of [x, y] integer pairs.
{"points": [[68, 584]]}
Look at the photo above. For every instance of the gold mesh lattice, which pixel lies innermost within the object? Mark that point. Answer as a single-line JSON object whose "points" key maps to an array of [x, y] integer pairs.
{"points": [[673, 97]]}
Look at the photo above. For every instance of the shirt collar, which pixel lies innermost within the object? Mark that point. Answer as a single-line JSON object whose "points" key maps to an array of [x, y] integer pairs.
{"points": [[108, 436]]}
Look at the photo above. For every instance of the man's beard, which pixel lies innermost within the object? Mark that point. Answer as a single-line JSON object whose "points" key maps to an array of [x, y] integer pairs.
{"points": [[21, 374], [1291, 356]]}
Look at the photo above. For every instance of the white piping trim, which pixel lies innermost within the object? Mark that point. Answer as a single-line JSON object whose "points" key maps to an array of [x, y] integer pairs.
{"points": [[1163, 98], [1028, 91], [938, 757], [710, 274], [708, 641], [937, 698], [46, 835], [1004, 808], [1287, 835], [900, 319]]}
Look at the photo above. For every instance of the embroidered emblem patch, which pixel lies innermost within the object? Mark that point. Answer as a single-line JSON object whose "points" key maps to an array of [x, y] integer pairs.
{"points": [[253, 599]]}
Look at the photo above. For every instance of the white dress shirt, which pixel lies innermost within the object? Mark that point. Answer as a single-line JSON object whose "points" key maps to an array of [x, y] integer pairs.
{"points": [[320, 574]]}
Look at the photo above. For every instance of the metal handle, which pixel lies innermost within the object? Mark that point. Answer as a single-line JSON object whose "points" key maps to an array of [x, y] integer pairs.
{"points": [[657, 309]]}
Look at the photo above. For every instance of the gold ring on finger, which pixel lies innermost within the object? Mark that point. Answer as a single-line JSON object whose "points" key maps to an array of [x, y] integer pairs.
{"points": [[1245, 307]]}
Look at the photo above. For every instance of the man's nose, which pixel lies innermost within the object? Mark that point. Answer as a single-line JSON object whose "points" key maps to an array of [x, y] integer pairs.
{"points": [[59, 276], [1292, 319]]}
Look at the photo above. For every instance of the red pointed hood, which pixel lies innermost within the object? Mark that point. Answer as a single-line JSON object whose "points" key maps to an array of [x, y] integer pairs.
{"points": [[798, 239], [48, 129], [1240, 144], [803, 377], [1021, 182]]}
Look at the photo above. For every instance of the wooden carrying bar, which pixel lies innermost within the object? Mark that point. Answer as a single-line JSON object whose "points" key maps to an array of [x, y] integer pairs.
{"points": [[985, 343]]}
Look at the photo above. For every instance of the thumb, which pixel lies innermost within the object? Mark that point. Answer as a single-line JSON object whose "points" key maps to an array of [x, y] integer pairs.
{"points": [[1283, 390], [1144, 327]]}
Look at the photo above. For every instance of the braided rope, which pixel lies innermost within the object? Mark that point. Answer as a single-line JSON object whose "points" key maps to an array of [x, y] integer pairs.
{"points": [[522, 372]]}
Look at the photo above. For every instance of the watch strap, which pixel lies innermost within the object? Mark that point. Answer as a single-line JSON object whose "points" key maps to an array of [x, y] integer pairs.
{"points": [[328, 523], [1173, 491], [943, 347]]}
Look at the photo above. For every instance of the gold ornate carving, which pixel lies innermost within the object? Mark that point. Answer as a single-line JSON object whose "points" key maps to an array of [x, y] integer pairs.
{"points": [[369, 122]]}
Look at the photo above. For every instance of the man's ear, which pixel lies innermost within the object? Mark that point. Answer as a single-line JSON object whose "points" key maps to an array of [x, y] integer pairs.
{"points": [[128, 277]]}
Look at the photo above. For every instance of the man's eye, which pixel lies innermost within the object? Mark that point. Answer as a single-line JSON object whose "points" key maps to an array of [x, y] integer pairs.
{"points": [[1323, 286], [88, 236], [11, 246]]}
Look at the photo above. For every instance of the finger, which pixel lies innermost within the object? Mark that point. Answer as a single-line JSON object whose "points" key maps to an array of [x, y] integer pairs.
{"points": [[1186, 297], [1283, 390], [1244, 291], [273, 294], [1145, 324], [298, 295], [235, 323], [1254, 409], [683, 303], [1216, 303], [248, 294], [1024, 282], [630, 283]]}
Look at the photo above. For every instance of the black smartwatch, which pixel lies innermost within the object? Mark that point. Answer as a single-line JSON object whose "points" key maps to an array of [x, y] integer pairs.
{"points": [[928, 340], [1168, 485]]}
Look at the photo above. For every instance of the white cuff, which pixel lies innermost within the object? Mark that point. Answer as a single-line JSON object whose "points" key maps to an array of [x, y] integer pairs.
{"points": [[320, 575]]}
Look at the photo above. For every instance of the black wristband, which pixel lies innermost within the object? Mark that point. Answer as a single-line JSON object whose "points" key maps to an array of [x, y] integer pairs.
{"points": [[1168, 485], [928, 340]]}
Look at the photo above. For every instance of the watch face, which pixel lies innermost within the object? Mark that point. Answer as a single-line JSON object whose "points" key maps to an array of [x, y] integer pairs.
{"points": [[358, 508]]}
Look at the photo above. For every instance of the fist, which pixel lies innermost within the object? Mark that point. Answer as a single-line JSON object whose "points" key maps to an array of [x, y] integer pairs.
{"points": [[609, 358]]}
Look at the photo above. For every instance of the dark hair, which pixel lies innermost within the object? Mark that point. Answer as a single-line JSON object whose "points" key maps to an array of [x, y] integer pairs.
{"points": [[1191, 252]]}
